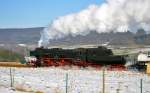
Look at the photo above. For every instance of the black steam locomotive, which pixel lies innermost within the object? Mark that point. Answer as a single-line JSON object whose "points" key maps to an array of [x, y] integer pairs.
{"points": [[99, 56]]}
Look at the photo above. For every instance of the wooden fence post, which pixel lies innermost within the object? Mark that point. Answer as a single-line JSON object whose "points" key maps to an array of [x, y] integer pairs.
{"points": [[67, 83]]}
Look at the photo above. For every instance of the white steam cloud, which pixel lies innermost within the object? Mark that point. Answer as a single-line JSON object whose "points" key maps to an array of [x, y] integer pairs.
{"points": [[113, 15]]}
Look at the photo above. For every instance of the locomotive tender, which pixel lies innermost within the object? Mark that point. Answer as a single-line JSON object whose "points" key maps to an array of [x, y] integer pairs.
{"points": [[95, 57]]}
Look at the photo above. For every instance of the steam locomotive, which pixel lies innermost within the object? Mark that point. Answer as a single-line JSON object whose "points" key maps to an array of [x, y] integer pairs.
{"points": [[95, 57]]}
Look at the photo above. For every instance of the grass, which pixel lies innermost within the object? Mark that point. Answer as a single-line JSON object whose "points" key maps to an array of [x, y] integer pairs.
{"points": [[22, 89], [12, 64], [9, 56], [39, 92], [26, 90]]}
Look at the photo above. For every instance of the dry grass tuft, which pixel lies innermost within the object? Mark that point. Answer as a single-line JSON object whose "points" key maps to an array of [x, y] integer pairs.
{"points": [[21, 89], [39, 92]]}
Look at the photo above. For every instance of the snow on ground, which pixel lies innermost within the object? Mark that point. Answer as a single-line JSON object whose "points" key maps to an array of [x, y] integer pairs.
{"points": [[53, 80]]}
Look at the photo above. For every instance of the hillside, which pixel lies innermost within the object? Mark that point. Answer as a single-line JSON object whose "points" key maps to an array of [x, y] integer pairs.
{"points": [[119, 38], [23, 35], [32, 35]]}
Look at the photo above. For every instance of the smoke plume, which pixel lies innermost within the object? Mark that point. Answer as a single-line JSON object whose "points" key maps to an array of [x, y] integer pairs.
{"points": [[113, 15]]}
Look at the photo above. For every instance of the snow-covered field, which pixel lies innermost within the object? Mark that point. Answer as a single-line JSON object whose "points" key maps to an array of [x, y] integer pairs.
{"points": [[53, 80]]}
